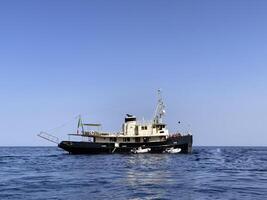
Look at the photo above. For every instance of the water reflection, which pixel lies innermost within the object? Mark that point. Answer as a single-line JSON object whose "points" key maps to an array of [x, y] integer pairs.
{"points": [[157, 177]]}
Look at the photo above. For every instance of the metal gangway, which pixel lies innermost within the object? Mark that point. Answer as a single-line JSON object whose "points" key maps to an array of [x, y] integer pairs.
{"points": [[49, 137]]}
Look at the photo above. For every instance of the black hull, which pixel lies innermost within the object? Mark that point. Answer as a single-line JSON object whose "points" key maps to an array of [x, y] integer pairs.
{"points": [[182, 142]]}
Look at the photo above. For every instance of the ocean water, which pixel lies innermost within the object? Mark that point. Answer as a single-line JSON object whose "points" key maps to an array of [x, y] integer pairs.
{"points": [[207, 173]]}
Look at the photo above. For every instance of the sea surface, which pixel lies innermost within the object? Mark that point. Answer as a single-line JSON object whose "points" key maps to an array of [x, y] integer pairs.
{"points": [[208, 173]]}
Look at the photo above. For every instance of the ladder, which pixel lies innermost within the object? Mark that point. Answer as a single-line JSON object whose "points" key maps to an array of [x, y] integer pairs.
{"points": [[49, 137]]}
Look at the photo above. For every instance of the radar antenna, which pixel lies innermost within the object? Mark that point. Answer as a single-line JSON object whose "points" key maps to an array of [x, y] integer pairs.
{"points": [[160, 110]]}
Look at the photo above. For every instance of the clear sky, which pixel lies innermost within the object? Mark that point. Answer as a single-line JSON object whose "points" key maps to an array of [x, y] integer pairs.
{"points": [[104, 59]]}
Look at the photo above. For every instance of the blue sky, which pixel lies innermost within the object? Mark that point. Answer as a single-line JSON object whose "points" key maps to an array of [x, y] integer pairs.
{"points": [[103, 59]]}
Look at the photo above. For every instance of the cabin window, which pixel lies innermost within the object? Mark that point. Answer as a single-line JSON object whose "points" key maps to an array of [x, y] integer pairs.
{"points": [[113, 139], [159, 126], [126, 139], [137, 139], [144, 127], [146, 139]]}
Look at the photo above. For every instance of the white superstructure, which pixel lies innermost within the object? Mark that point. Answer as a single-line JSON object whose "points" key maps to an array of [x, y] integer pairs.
{"points": [[138, 131]]}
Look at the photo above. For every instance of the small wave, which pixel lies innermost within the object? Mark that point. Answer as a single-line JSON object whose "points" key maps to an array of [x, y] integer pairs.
{"points": [[207, 173]]}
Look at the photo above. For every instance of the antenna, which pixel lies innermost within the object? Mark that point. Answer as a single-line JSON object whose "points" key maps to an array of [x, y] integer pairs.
{"points": [[160, 110]]}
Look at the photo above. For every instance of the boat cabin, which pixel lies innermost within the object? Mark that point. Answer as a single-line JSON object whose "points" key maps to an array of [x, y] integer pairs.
{"points": [[133, 131]]}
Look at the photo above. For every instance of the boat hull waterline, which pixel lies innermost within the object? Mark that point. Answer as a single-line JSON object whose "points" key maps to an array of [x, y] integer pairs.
{"points": [[183, 142]]}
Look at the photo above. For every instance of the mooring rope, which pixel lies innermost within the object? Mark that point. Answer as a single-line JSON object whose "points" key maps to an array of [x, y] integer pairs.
{"points": [[63, 125]]}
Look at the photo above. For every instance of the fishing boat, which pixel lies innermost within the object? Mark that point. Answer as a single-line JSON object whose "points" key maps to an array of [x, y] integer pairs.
{"points": [[135, 137]]}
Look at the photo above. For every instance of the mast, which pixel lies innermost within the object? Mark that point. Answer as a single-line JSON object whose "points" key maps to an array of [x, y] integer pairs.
{"points": [[80, 124], [160, 110]]}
